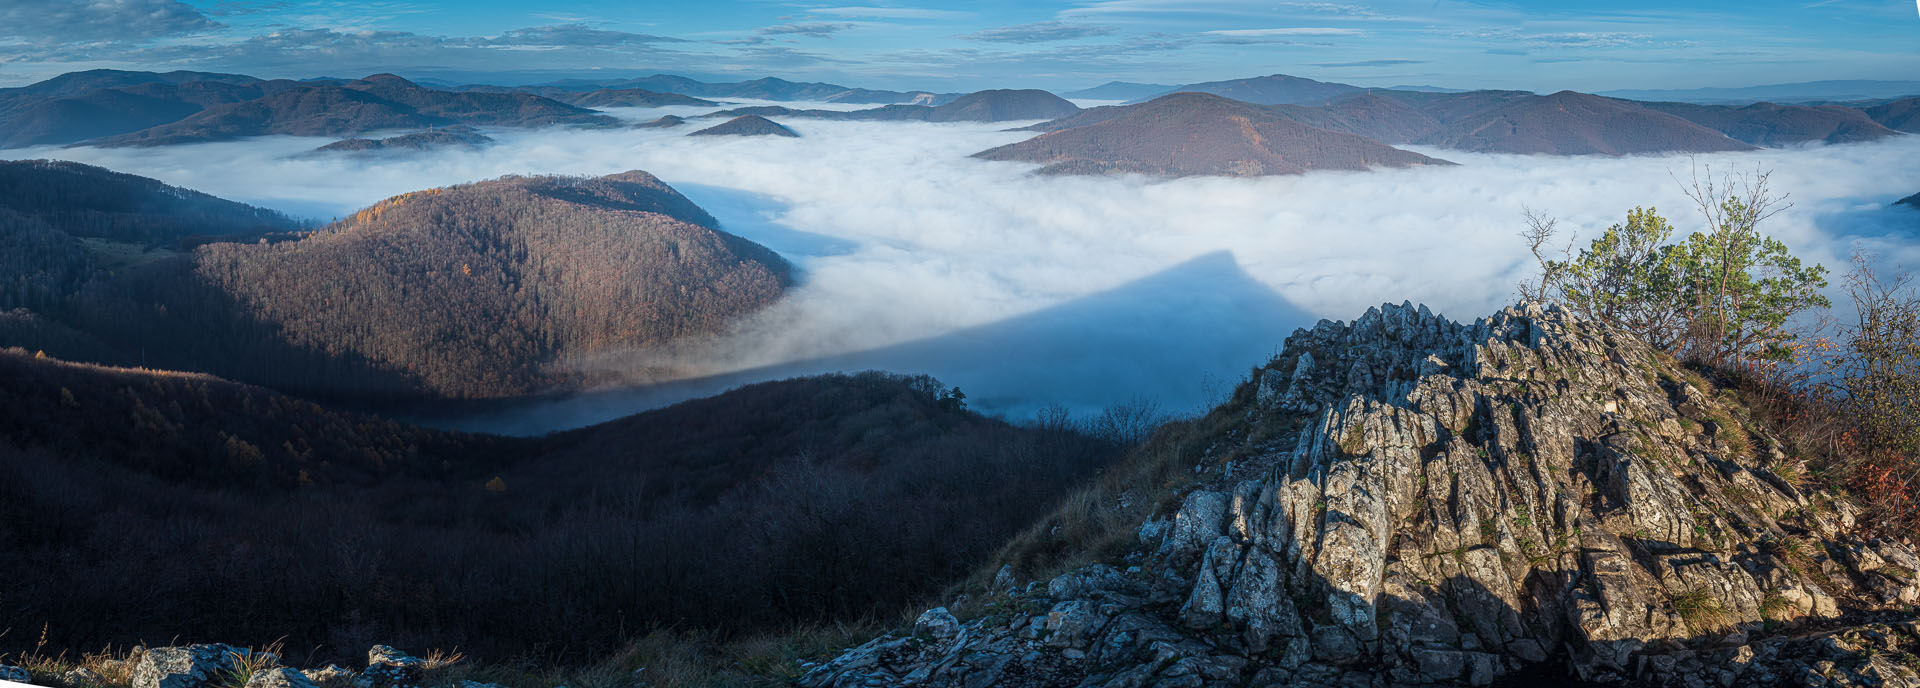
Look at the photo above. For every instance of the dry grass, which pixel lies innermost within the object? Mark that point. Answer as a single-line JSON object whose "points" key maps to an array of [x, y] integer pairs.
{"points": [[1702, 611], [668, 659], [1101, 520]]}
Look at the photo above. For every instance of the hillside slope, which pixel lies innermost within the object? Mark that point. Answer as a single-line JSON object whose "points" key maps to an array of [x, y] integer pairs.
{"points": [[488, 289], [1274, 89], [1564, 123], [1188, 134], [1768, 124], [153, 504], [94, 202], [1900, 115], [746, 125], [1405, 500], [380, 101]]}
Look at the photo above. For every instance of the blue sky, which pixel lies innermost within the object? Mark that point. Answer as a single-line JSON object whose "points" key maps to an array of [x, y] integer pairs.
{"points": [[1059, 44]]}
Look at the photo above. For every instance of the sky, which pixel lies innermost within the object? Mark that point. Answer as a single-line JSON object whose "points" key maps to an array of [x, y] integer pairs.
{"points": [[1540, 45]]}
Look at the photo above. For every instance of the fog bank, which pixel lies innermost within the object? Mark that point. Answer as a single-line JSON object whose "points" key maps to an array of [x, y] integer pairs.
{"points": [[904, 242]]}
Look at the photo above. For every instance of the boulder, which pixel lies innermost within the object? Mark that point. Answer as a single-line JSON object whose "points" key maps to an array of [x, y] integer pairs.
{"points": [[15, 674], [937, 623], [191, 666], [279, 677], [390, 668]]}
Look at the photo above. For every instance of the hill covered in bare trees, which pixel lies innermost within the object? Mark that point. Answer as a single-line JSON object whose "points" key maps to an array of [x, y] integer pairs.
{"points": [[480, 290]]}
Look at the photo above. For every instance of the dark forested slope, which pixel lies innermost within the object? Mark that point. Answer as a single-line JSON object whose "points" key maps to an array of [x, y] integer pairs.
{"points": [[163, 505]]}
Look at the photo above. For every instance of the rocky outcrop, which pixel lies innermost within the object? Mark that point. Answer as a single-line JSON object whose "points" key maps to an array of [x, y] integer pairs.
{"points": [[1406, 500], [1910, 201], [190, 666]]}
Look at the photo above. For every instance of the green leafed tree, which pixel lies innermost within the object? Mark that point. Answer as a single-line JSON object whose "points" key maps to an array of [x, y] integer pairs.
{"points": [[1724, 294]]}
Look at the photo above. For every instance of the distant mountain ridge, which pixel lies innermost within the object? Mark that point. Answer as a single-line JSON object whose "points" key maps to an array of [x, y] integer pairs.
{"points": [[1188, 134], [380, 101], [114, 108], [1830, 90], [1119, 90], [1273, 89], [767, 88], [998, 105]]}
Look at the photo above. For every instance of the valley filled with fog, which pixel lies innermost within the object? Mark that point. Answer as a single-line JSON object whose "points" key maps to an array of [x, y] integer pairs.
{"points": [[1029, 290]]}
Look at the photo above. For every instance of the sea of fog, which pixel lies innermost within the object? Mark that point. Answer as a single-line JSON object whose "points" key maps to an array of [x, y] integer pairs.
{"points": [[1027, 291]]}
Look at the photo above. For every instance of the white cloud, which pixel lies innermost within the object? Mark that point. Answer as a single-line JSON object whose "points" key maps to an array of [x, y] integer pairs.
{"points": [[901, 236], [1290, 31]]}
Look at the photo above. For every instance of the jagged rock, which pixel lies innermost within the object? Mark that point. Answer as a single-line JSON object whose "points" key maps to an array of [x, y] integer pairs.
{"points": [[1004, 579], [191, 666], [1454, 503], [330, 676], [390, 668], [937, 623], [14, 674], [79, 677], [279, 677]]}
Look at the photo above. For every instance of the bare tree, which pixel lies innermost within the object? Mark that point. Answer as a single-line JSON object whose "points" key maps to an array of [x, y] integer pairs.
{"points": [[1541, 230]]}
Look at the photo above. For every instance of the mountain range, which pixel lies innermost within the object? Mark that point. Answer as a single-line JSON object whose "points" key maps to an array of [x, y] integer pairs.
{"points": [[999, 105], [1161, 137], [768, 88], [115, 108]]}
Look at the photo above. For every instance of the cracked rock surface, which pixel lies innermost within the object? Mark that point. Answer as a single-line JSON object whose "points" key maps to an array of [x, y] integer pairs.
{"points": [[1415, 501]]}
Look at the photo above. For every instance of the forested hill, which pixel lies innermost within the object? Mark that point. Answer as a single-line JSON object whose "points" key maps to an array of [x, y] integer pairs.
{"points": [[480, 290], [94, 202], [169, 505], [64, 223]]}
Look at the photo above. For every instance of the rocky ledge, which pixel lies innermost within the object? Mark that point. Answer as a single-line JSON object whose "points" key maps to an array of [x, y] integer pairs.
{"points": [[1413, 501]]}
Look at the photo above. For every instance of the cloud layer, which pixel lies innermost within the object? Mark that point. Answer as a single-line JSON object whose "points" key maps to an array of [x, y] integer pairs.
{"points": [[903, 239]]}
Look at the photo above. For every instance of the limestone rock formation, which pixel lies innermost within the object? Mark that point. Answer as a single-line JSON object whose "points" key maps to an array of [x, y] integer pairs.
{"points": [[1406, 500]]}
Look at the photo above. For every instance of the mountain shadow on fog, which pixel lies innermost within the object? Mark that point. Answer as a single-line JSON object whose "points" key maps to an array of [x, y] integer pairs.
{"points": [[1165, 338]]}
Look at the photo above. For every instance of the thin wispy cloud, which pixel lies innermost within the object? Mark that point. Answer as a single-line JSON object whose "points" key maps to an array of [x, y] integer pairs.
{"points": [[811, 29], [1040, 32], [1287, 31], [1369, 63], [890, 13]]}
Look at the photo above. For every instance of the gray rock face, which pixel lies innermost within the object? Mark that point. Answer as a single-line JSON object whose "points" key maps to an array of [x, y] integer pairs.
{"points": [[330, 676], [191, 666], [279, 677], [1451, 504], [390, 668]]}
